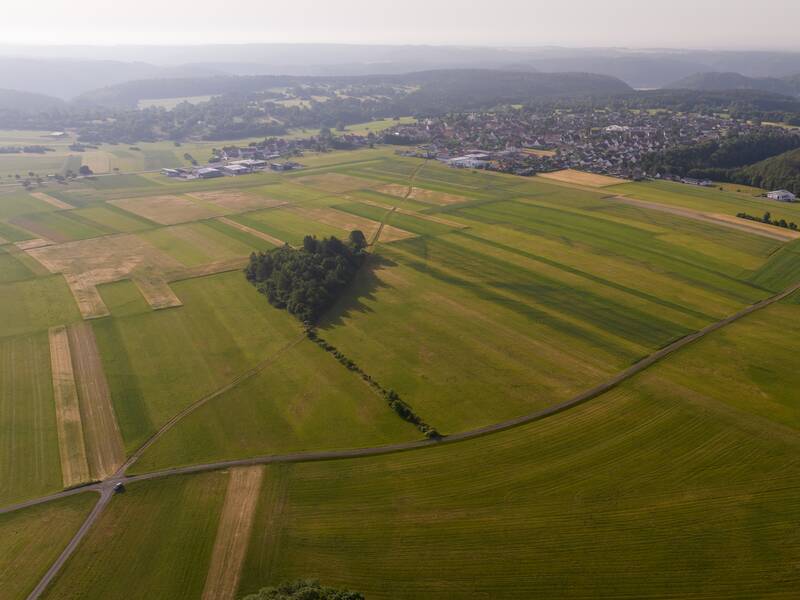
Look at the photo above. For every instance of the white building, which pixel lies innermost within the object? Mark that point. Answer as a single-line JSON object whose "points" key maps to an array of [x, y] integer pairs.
{"points": [[470, 161], [782, 196]]}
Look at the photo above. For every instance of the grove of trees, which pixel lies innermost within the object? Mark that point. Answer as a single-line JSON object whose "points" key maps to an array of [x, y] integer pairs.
{"points": [[306, 281]]}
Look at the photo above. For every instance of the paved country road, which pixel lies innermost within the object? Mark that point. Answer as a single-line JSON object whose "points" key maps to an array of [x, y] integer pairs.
{"points": [[105, 488]]}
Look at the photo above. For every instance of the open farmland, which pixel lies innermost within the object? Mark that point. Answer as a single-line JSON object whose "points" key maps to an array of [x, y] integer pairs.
{"points": [[176, 520], [485, 298], [31, 539]]}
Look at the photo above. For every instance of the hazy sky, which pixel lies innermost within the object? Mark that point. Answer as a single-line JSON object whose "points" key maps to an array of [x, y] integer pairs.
{"points": [[768, 24]]}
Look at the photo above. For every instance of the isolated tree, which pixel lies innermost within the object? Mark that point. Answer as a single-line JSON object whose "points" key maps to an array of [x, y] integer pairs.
{"points": [[358, 240], [85, 170]]}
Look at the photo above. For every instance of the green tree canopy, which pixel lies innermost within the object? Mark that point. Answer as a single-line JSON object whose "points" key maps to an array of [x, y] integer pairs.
{"points": [[304, 590]]}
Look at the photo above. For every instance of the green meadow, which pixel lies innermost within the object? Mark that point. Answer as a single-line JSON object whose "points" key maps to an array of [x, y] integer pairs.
{"points": [[507, 296], [680, 483], [29, 458], [31, 539], [175, 519]]}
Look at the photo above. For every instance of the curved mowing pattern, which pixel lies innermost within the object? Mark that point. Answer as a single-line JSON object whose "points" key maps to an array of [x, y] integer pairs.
{"points": [[646, 492]]}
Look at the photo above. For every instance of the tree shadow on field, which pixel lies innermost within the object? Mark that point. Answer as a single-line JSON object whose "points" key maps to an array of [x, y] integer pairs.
{"points": [[363, 287]]}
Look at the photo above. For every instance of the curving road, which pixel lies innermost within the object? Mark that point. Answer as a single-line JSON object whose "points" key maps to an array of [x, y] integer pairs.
{"points": [[105, 488]]}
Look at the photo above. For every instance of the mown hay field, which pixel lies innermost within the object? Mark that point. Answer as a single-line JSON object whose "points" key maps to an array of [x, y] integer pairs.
{"points": [[642, 493], [662, 487], [29, 451], [31, 539], [174, 519]]}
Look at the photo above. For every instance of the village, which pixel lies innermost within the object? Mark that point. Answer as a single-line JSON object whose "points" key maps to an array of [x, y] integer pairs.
{"points": [[527, 141], [519, 141]]}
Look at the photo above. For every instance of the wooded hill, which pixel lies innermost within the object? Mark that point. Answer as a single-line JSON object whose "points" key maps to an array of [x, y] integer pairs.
{"points": [[788, 86]]}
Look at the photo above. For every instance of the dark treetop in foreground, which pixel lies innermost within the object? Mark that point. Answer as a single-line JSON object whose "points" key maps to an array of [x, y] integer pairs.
{"points": [[304, 590], [307, 281]]}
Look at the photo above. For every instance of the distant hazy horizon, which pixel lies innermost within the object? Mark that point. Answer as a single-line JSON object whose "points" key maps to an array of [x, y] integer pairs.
{"points": [[696, 24]]}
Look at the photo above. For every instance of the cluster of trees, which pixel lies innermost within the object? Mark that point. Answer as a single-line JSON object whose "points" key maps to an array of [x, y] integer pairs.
{"points": [[718, 159], [308, 280], [307, 589], [778, 172], [767, 218], [392, 397]]}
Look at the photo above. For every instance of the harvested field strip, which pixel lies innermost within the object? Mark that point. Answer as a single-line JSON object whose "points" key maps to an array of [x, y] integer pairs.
{"points": [[74, 465], [167, 210], [336, 182], [33, 244], [752, 227], [238, 201], [287, 225], [104, 445], [195, 244], [254, 232], [422, 194], [52, 201], [157, 292], [581, 178], [349, 222], [233, 533], [88, 299]]}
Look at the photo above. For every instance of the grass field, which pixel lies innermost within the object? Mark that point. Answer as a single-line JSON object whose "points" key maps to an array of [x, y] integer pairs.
{"points": [[30, 540], [35, 305], [304, 401], [176, 519], [487, 297], [708, 199], [653, 490], [29, 457]]}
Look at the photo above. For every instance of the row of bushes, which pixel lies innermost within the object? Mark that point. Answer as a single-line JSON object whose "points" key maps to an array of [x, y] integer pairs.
{"points": [[767, 218], [392, 397]]}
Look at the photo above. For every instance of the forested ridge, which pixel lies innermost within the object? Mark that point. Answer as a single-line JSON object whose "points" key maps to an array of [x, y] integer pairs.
{"points": [[763, 159]]}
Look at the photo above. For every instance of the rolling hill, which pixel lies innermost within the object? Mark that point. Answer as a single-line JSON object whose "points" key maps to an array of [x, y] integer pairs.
{"points": [[716, 81], [777, 172], [27, 101], [454, 89]]}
